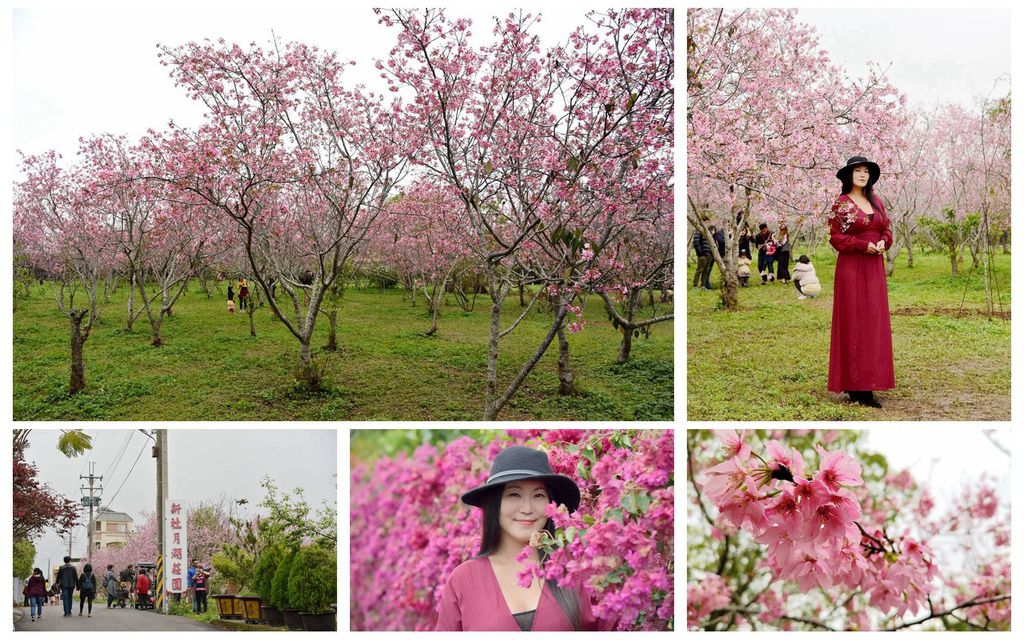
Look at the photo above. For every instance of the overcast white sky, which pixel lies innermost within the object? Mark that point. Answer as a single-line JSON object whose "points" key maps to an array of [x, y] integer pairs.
{"points": [[937, 55], [204, 464], [80, 71]]}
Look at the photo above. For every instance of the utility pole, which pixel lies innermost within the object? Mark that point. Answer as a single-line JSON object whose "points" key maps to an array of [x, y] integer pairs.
{"points": [[92, 500], [160, 453]]}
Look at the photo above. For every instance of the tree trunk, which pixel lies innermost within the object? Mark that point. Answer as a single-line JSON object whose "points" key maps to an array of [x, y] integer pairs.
{"points": [[731, 292], [434, 302], [166, 306], [522, 299], [332, 337], [131, 303], [158, 340], [77, 348], [952, 260], [626, 346], [910, 251], [566, 387], [251, 310], [491, 392]]}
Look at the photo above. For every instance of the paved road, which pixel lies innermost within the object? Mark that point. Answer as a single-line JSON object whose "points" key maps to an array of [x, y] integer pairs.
{"points": [[104, 619]]}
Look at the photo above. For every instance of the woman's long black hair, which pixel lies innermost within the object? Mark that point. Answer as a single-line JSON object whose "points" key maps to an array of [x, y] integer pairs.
{"points": [[869, 191], [568, 599]]}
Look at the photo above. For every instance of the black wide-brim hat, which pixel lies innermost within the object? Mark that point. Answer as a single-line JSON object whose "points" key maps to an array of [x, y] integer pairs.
{"points": [[873, 169], [523, 463]]}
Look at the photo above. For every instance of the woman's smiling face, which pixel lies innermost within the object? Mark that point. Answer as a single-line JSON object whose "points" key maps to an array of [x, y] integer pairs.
{"points": [[522, 509]]}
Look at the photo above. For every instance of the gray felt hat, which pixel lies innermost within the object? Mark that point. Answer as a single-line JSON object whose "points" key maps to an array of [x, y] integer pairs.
{"points": [[523, 463]]}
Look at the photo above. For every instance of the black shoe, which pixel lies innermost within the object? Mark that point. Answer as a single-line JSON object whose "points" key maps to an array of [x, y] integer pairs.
{"points": [[868, 400]]}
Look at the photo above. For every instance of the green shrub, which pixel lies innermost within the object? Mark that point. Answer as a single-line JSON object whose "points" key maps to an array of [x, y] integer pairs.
{"points": [[263, 579], [24, 556], [279, 585], [313, 583]]}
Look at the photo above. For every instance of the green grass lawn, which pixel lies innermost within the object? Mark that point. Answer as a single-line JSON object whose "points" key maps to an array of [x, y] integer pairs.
{"points": [[769, 361], [385, 369]]}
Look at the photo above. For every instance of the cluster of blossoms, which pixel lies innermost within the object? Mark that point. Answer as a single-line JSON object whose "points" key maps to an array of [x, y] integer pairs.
{"points": [[809, 520], [708, 594], [409, 530]]}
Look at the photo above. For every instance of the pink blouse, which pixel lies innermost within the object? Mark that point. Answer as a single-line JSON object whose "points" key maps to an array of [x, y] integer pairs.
{"points": [[472, 601]]}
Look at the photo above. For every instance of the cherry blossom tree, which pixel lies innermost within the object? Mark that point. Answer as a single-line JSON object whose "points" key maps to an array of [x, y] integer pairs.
{"points": [[302, 165], [808, 529], [61, 227], [538, 148], [769, 119], [642, 262], [425, 238]]}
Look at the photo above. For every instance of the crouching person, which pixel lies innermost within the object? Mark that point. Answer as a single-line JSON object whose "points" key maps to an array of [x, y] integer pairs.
{"points": [[805, 279]]}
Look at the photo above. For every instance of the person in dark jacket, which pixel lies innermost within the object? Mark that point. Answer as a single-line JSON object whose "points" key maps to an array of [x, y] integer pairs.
{"points": [[67, 579], [701, 277], [87, 587], [744, 244], [765, 243], [783, 253], [35, 590]]}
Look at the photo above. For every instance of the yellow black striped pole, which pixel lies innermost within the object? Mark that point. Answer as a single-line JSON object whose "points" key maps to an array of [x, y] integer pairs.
{"points": [[160, 583]]}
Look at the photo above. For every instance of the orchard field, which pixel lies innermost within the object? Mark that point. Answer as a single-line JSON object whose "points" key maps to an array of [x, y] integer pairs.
{"points": [[769, 359], [385, 368]]}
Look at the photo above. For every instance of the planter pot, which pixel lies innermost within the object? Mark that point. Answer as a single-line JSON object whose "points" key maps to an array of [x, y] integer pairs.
{"points": [[225, 606], [251, 609], [292, 619], [272, 616], [319, 621], [239, 608]]}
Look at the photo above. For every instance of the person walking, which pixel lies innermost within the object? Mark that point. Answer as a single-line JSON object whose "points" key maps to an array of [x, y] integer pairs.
{"points": [[67, 579], [35, 591], [110, 584], [860, 356], [87, 587]]}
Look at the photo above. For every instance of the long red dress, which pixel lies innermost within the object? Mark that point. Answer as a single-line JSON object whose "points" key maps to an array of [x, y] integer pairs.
{"points": [[860, 358]]}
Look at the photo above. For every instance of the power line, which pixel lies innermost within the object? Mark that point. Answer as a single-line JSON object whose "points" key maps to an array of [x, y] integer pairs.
{"points": [[110, 504], [124, 447]]}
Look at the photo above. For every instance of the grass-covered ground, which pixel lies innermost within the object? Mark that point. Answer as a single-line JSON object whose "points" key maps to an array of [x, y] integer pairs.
{"points": [[769, 361], [385, 369]]}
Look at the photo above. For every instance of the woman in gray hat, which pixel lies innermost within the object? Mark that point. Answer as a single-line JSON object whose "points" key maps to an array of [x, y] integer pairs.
{"points": [[483, 594]]}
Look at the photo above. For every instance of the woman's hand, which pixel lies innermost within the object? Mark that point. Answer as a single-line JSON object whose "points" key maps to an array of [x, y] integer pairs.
{"points": [[872, 248], [880, 246]]}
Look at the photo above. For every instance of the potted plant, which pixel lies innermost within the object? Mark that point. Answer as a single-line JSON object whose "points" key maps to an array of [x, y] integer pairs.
{"points": [[263, 582], [313, 587], [279, 593]]}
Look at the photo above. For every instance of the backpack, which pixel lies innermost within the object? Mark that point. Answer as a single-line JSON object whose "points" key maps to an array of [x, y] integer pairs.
{"points": [[88, 582]]}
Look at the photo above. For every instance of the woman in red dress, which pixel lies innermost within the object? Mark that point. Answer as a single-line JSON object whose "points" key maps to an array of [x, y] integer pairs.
{"points": [[860, 359], [483, 593]]}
